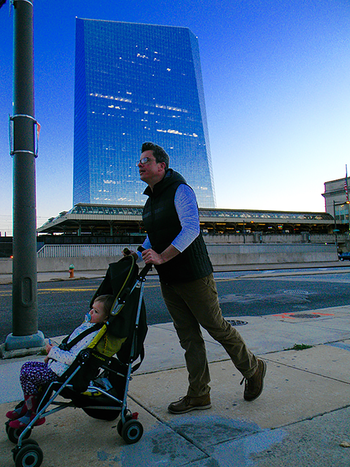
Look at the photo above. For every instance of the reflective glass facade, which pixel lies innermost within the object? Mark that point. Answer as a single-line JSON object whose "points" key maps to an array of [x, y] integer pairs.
{"points": [[136, 83]]}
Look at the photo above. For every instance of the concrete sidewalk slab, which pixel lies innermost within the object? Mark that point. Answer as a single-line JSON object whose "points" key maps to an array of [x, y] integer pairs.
{"points": [[330, 360], [163, 350], [298, 394], [312, 443], [309, 443], [71, 437], [10, 389], [262, 334], [278, 332]]}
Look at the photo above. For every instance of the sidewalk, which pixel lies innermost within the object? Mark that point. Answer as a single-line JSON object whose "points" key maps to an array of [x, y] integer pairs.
{"points": [[300, 420]]}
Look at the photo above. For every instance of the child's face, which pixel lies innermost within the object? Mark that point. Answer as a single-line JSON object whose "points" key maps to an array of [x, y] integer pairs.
{"points": [[97, 313]]}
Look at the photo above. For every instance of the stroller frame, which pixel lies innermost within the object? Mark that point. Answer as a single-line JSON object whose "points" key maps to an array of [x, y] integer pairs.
{"points": [[27, 451]]}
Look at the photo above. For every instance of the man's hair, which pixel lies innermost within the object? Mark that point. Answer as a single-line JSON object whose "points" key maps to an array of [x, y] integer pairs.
{"points": [[158, 152], [107, 301]]}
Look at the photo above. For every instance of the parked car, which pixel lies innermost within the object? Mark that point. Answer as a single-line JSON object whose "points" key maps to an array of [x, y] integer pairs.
{"points": [[343, 256]]}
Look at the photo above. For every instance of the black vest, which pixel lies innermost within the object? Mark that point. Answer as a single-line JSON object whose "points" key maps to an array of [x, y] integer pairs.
{"points": [[162, 225]]}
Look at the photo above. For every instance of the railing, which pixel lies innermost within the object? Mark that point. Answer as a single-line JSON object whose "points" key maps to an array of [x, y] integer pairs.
{"points": [[72, 251], [102, 250]]}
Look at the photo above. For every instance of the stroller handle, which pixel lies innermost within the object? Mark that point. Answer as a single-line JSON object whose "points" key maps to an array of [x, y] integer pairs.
{"points": [[145, 271], [148, 266]]}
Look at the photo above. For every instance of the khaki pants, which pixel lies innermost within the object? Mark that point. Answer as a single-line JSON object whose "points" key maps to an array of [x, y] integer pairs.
{"points": [[196, 303]]}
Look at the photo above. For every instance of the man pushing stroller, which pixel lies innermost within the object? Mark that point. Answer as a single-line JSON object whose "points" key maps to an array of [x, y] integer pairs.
{"points": [[175, 246]]}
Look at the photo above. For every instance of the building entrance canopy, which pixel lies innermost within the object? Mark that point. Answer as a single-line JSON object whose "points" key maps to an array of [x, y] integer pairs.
{"points": [[95, 219]]}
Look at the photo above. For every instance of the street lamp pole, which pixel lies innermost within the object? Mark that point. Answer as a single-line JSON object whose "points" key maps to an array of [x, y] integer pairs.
{"points": [[24, 279]]}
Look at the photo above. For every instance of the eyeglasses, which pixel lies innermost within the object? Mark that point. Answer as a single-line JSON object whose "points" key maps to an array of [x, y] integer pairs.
{"points": [[145, 160]]}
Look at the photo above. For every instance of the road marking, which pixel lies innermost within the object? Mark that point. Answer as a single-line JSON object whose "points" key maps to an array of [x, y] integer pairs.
{"points": [[8, 293]]}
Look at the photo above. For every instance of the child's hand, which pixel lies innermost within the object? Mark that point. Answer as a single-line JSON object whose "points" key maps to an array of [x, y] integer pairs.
{"points": [[48, 348]]}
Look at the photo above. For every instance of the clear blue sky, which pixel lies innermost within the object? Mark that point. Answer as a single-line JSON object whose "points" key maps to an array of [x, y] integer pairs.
{"points": [[276, 77]]}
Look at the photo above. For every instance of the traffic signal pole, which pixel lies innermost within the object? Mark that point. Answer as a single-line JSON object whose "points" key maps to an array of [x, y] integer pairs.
{"points": [[25, 333]]}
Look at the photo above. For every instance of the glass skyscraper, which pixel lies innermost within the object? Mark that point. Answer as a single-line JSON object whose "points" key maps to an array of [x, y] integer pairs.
{"points": [[136, 83]]}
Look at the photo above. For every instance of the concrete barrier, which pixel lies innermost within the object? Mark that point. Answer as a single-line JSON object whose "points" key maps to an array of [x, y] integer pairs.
{"points": [[278, 253], [5, 266], [220, 255]]}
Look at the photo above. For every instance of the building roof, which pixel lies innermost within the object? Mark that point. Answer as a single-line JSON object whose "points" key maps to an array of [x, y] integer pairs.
{"points": [[97, 217]]}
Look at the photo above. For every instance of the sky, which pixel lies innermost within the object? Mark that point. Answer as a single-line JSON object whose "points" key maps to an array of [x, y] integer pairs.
{"points": [[276, 77]]}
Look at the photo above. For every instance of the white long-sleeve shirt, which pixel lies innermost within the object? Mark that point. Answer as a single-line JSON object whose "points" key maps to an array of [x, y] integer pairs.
{"points": [[187, 211]]}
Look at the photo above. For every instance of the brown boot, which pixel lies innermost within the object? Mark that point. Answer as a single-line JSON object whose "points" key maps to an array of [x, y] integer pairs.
{"points": [[187, 404], [254, 385]]}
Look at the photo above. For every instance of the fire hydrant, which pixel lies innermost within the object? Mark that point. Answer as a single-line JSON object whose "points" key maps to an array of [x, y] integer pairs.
{"points": [[71, 271]]}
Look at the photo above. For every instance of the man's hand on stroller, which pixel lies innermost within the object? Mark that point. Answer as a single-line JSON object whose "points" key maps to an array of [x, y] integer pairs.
{"points": [[150, 256]]}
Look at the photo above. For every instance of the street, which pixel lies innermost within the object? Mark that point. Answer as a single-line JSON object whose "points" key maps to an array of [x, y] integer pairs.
{"points": [[62, 305]]}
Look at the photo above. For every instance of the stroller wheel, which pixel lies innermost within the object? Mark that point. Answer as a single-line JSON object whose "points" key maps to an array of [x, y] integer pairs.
{"points": [[14, 433], [28, 455], [120, 427], [25, 442], [132, 431], [120, 423]]}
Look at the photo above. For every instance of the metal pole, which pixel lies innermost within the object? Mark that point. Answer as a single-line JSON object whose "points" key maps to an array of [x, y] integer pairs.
{"points": [[335, 230], [24, 283]]}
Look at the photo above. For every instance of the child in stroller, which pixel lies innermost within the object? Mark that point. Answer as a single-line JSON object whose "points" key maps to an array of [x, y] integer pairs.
{"points": [[97, 380], [34, 374]]}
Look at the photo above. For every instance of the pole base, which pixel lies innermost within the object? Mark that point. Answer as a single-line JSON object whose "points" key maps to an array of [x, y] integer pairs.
{"points": [[24, 342]]}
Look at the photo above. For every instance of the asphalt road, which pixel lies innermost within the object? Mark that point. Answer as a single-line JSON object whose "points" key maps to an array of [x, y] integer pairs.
{"points": [[62, 305]]}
